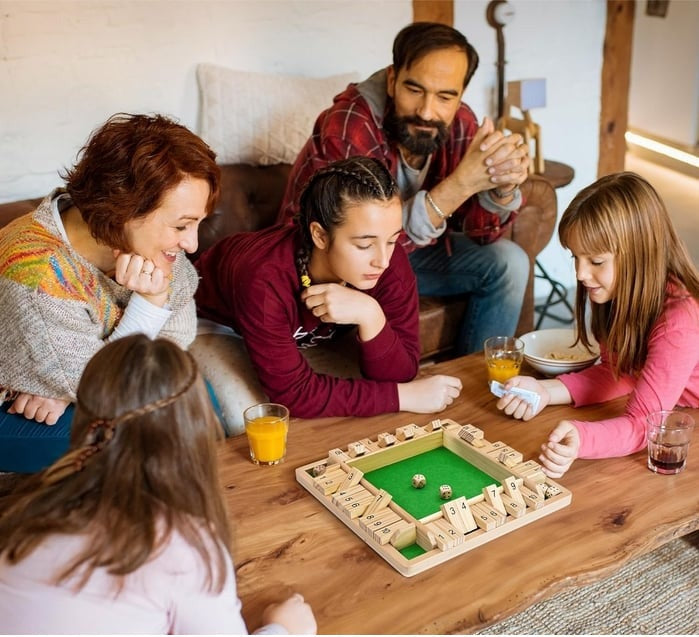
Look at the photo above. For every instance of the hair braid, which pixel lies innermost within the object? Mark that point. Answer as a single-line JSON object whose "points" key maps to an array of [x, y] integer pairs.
{"points": [[101, 431], [330, 190]]}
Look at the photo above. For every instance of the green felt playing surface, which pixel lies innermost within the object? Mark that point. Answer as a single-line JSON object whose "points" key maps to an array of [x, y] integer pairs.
{"points": [[439, 466]]}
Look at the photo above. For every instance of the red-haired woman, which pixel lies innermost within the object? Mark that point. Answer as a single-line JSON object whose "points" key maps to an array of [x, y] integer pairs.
{"points": [[100, 258]]}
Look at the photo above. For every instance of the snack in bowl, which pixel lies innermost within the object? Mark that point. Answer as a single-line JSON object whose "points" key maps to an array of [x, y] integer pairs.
{"points": [[554, 351]]}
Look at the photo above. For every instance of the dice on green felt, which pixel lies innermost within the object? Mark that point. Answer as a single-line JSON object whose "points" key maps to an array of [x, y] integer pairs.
{"points": [[445, 492], [419, 481]]}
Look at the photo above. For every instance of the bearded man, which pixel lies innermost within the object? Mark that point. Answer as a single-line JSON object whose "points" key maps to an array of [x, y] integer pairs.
{"points": [[459, 181]]}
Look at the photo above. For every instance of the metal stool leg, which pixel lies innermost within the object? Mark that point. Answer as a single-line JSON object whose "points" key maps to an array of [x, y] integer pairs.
{"points": [[558, 294]]}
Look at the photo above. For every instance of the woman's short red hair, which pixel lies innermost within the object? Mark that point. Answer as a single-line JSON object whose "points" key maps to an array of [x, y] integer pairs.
{"points": [[129, 164]]}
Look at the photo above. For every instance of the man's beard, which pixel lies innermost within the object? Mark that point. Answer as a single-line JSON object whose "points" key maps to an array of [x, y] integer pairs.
{"points": [[421, 143]]}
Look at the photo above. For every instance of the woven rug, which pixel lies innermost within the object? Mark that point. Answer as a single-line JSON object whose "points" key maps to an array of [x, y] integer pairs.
{"points": [[655, 594]]}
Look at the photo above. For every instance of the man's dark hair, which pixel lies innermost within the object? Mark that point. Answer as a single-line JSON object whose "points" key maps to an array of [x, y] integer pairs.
{"points": [[420, 38]]}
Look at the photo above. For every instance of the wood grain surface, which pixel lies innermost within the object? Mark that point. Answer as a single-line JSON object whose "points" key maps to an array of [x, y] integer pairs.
{"points": [[285, 541]]}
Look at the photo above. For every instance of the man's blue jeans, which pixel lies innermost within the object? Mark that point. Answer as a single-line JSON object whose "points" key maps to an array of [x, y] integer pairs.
{"points": [[27, 446], [494, 276]]}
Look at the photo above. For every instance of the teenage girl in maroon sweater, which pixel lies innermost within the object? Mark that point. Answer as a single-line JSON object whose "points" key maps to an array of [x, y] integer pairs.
{"points": [[291, 287]]}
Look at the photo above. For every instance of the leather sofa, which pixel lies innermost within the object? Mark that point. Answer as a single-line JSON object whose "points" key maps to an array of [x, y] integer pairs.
{"points": [[250, 197]]}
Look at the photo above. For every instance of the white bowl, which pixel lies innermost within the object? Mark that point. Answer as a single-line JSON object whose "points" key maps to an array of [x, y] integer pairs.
{"points": [[551, 351]]}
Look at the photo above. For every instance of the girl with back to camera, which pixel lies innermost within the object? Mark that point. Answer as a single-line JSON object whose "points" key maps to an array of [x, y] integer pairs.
{"points": [[127, 532], [294, 286], [100, 258], [644, 295]]}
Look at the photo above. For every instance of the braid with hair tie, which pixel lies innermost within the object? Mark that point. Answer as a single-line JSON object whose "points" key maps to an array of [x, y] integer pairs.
{"points": [[374, 181], [101, 430]]}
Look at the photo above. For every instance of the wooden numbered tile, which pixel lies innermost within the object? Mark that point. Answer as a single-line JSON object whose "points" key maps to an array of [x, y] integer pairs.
{"points": [[457, 537], [482, 519], [356, 509], [384, 519], [443, 539], [434, 425], [353, 477], [377, 527], [337, 455], [370, 445], [536, 476], [404, 535], [452, 513], [421, 431], [530, 471], [334, 472], [514, 508], [381, 500], [367, 520], [361, 494], [355, 449], [511, 488], [493, 514], [510, 458], [386, 439], [493, 448], [357, 492], [406, 432], [491, 493], [531, 499], [326, 485], [472, 435], [525, 468], [385, 533], [343, 493], [466, 514]]}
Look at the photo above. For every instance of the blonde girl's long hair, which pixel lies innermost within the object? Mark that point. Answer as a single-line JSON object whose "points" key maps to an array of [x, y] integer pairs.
{"points": [[141, 464], [622, 214]]}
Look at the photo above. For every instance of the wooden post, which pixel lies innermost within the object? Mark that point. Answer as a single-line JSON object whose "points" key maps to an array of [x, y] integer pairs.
{"points": [[616, 75], [434, 11]]}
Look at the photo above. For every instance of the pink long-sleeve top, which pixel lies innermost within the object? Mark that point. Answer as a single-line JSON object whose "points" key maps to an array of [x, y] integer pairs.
{"points": [[164, 596], [669, 378], [249, 282]]}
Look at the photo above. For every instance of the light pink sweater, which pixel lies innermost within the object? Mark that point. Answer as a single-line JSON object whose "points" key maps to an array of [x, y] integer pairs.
{"points": [[166, 595], [669, 378]]}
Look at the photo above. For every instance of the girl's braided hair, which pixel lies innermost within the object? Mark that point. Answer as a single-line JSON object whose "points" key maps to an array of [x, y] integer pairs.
{"points": [[328, 193], [142, 464]]}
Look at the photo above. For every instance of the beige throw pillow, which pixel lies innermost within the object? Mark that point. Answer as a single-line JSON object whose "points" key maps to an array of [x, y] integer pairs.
{"points": [[260, 118]]}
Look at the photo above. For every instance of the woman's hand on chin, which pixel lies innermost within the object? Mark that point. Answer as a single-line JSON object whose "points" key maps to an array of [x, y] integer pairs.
{"points": [[141, 275]]}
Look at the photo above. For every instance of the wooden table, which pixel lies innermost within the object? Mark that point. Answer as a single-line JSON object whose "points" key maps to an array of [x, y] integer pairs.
{"points": [[285, 540]]}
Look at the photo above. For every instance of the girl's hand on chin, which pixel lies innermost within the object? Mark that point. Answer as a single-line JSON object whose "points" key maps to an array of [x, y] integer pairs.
{"points": [[335, 303]]}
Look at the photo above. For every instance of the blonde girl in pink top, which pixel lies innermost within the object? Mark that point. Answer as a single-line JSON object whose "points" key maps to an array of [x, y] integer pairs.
{"points": [[643, 291], [127, 532]]}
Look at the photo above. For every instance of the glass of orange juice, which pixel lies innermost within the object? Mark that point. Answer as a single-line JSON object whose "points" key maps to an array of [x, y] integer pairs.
{"points": [[266, 426], [503, 356]]}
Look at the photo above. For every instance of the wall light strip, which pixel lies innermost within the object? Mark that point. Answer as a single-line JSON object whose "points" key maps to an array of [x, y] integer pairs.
{"points": [[663, 149]]}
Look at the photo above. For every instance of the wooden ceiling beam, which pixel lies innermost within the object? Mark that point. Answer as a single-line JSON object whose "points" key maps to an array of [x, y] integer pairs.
{"points": [[616, 79], [441, 11]]}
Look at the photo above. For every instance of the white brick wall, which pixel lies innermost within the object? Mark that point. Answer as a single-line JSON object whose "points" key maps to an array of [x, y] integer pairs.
{"points": [[66, 65]]}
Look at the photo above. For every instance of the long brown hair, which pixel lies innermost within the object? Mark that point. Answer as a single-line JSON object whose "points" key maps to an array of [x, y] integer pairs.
{"points": [[623, 214], [142, 463]]}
